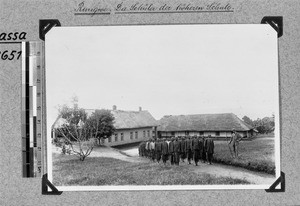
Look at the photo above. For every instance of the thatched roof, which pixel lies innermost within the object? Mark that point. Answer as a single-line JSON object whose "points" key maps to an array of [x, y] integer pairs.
{"points": [[203, 122], [59, 122], [124, 119], [133, 119]]}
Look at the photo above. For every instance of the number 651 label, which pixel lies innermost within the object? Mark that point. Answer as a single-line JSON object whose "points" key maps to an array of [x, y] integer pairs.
{"points": [[10, 55]]}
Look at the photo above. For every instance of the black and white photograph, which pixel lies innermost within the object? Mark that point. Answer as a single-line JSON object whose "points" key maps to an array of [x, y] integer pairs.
{"points": [[162, 107]]}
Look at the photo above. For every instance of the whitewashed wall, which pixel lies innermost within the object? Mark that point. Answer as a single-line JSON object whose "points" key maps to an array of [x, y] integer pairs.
{"points": [[213, 134], [127, 139]]}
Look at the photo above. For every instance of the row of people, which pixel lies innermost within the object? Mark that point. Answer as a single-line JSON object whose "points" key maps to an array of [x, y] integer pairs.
{"points": [[175, 148]]}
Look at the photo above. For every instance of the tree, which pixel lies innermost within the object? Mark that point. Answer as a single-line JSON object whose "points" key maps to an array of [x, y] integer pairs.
{"points": [[264, 125], [247, 120], [80, 131], [101, 124], [258, 124], [75, 132], [269, 124]]}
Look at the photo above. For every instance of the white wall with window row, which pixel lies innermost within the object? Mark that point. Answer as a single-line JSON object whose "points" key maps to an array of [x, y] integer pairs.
{"points": [[130, 135], [190, 133]]}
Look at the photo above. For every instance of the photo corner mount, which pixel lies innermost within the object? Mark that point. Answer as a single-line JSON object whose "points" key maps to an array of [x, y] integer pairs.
{"points": [[280, 180], [46, 25], [45, 184], [276, 22]]}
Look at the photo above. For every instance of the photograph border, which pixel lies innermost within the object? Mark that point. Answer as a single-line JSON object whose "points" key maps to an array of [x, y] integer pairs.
{"points": [[47, 24]]}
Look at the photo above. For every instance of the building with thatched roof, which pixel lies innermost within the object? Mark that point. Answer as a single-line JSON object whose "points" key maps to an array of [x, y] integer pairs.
{"points": [[216, 125], [131, 126]]}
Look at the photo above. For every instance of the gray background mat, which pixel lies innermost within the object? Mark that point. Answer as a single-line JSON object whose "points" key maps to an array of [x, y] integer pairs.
{"points": [[18, 16]]}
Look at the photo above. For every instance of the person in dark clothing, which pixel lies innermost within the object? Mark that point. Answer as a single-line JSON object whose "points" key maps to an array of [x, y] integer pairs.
{"points": [[171, 151], [188, 149], [152, 150], [209, 144], [147, 149], [201, 148], [234, 142], [168, 140], [164, 151], [182, 149], [204, 150], [196, 150], [176, 151], [142, 149], [158, 148]]}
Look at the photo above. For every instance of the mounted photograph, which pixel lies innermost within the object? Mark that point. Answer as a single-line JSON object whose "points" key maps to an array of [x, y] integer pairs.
{"points": [[162, 107]]}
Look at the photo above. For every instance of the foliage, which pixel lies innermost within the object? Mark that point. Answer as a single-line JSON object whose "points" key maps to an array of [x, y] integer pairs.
{"points": [[73, 115], [247, 120], [79, 131], [75, 132], [100, 123], [263, 126]]}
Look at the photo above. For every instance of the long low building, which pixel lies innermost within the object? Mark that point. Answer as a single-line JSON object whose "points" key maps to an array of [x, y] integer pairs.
{"points": [[131, 126], [216, 125]]}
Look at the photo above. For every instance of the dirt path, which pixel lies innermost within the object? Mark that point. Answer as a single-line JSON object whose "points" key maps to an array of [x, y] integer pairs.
{"points": [[220, 170], [235, 172], [106, 152], [131, 155], [114, 153]]}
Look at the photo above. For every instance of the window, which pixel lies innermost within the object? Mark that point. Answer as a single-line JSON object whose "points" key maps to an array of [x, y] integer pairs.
{"points": [[122, 137], [172, 133], [148, 132], [109, 139], [201, 133], [217, 133], [144, 134], [116, 137], [131, 135], [136, 135]]}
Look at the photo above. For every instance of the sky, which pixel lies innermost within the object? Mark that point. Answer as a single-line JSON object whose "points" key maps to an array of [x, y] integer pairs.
{"points": [[165, 69]]}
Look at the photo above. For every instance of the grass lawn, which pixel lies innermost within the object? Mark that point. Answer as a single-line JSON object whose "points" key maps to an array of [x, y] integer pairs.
{"points": [[256, 155], [68, 170]]}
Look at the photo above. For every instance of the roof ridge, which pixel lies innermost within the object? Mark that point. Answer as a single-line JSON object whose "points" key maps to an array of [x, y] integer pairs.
{"points": [[118, 110], [170, 115], [211, 122], [130, 110]]}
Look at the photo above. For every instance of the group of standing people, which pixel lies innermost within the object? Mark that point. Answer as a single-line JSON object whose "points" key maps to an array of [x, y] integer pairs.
{"points": [[175, 148]]}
